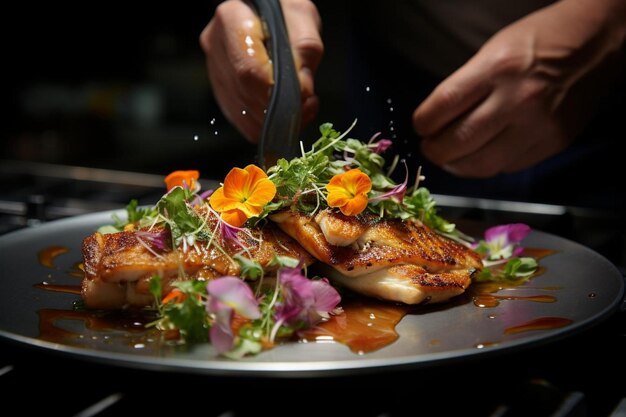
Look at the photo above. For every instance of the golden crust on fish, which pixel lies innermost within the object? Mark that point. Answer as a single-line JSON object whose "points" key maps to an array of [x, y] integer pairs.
{"points": [[118, 266], [391, 259]]}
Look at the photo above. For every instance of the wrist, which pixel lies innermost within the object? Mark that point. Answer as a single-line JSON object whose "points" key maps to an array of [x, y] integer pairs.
{"points": [[608, 14]]}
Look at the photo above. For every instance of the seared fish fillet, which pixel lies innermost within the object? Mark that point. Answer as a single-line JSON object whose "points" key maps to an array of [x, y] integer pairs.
{"points": [[395, 260], [118, 266]]}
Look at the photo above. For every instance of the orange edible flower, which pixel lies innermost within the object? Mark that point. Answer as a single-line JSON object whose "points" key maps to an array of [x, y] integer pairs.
{"points": [[183, 179], [177, 296], [348, 191], [244, 194]]}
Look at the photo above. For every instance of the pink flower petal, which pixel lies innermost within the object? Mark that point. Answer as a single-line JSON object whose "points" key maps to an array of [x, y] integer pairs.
{"points": [[507, 233], [221, 333], [236, 294], [304, 299], [381, 146], [518, 251], [397, 192], [158, 240], [326, 297]]}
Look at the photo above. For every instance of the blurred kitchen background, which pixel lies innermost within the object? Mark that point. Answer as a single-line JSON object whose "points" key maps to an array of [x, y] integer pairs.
{"points": [[124, 87], [116, 86]]}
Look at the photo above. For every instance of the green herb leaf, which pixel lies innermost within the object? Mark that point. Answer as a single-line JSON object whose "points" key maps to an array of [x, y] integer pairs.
{"points": [[244, 347], [181, 218], [520, 267], [250, 268], [156, 290], [515, 269], [190, 316], [109, 228], [287, 261]]}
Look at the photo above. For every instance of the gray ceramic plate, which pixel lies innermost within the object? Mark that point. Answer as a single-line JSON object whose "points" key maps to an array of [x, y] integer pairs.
{"points": [[587, 289]]}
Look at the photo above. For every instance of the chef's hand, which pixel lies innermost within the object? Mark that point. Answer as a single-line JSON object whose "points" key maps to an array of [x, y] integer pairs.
{"points": [[239, 68], [526, 94]]}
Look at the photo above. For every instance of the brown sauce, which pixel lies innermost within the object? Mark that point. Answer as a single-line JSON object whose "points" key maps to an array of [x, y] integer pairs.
{"points": [[46, 258], [490, 301], [77, 270], [47, 255], [69, 289], [483, 345], [541, 323], [364, 326], [51, 324], [538, 253]]}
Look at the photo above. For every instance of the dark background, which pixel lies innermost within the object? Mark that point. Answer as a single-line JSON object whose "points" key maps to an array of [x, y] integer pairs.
{"points": [[125, 87], [112, 86]]}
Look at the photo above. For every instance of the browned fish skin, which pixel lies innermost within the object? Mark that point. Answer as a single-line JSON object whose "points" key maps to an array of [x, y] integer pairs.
{"points": [[118, 266], [396, 260]]}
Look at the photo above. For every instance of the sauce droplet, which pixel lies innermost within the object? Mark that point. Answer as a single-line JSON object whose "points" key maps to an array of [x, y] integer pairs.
{"points": [[69, 289], [489, 300], [541, 323], [483, 345], [47, 255]]}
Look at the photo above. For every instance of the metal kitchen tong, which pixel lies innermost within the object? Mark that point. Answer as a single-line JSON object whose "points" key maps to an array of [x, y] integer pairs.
{"points": [[279, 137]]}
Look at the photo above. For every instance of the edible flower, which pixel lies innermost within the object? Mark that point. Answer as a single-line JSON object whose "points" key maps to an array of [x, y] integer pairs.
{"points": [[379, 146], [303, 298], [503, 241], [176, 295], [229, 296], [185, 179], [305, 301], [244, 195], [396, 193], [501, 249], [348, 191], [157, 240]]}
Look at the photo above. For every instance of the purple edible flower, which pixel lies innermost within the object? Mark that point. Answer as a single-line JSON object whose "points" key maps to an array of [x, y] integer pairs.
{"points": [[503, 241], [396, 193], [206, 194], [304, 299], [227, 296], [156, 240], [380, 146]]}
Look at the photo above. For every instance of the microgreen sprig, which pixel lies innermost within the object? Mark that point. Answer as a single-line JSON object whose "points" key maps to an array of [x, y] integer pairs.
{"points": [[301, 182]]}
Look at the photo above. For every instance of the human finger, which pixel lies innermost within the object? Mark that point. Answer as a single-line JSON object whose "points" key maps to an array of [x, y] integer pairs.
{"points": [[470, 131], [238, 65], [450, 99], [303, 24]]}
